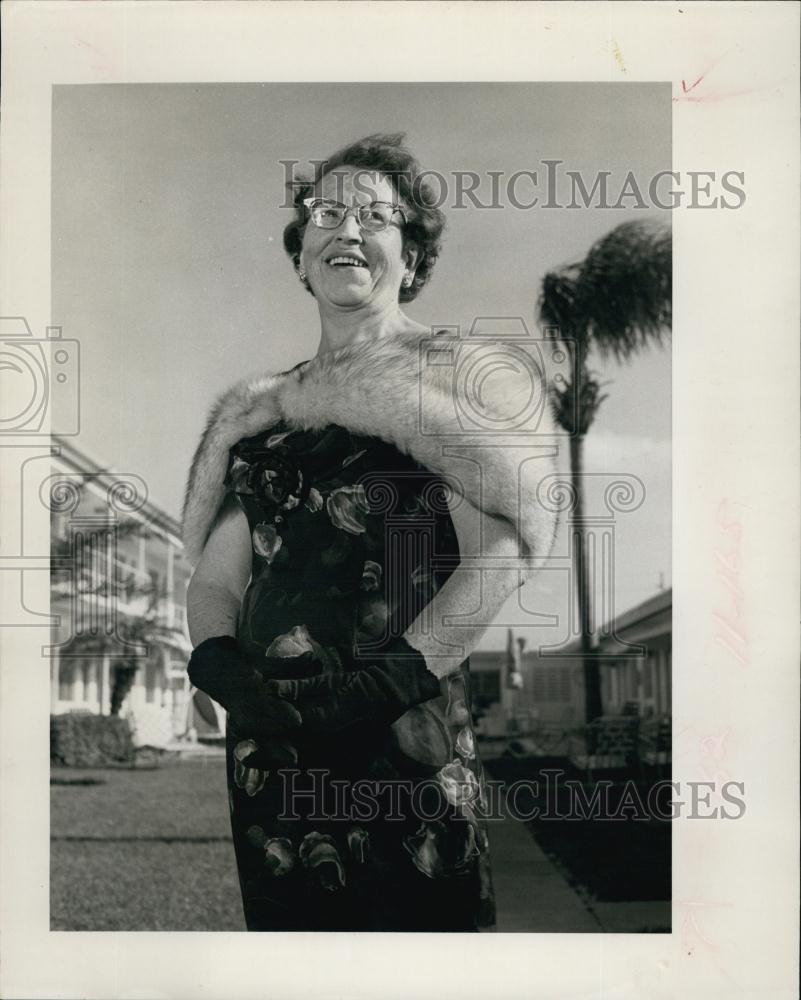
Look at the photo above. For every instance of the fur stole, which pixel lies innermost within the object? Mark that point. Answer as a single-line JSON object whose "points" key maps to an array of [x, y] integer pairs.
{"points": [[458, 407]]}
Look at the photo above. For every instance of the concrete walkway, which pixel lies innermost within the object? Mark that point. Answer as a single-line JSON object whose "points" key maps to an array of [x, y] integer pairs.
{"points": [[531, 894], [196, 751]]}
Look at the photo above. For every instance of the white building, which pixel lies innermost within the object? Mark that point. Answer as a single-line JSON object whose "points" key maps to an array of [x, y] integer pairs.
{"points": [[118, 571]]}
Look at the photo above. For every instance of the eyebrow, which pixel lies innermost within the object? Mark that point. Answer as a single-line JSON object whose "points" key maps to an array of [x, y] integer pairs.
{"points": [[365, 204]]}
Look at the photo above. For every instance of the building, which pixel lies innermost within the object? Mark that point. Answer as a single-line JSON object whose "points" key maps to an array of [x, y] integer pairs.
{"points": [[635, 654], [636, 669], [118, 596]]}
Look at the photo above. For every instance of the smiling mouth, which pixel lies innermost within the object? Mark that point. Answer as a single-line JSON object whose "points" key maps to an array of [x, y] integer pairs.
{"points": [[345, 261]]}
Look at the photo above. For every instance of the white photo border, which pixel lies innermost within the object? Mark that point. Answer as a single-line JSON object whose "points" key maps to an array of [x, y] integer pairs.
{"points": [[734, 72]]}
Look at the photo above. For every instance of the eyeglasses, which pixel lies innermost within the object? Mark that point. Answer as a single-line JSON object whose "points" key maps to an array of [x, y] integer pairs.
{"points": [[373, 217]]}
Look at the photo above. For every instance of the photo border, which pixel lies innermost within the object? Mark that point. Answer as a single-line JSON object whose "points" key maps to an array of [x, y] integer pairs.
{"points": [[734, 70]]}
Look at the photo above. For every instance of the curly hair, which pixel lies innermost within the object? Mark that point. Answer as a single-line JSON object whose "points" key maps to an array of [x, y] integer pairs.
{"points": [[386, 154]]}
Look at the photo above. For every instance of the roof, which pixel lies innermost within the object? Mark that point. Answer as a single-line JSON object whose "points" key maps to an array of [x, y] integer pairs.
{"points": [[82, 461], [644, 614]]}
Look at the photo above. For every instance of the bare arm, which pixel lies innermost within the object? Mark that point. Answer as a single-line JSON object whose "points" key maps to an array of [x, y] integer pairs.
{"points": [[218, 584], [450, 627]]}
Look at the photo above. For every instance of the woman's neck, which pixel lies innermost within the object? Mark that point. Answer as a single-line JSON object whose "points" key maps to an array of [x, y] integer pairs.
{"points": [[342, 328]]}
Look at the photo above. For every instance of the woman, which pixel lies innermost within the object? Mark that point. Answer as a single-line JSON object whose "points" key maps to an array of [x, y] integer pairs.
{"points": [[327, 518]]}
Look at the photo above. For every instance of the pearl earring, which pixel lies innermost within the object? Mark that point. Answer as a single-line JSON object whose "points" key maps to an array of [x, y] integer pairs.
{"points": [[301, 272], [407, 280]]}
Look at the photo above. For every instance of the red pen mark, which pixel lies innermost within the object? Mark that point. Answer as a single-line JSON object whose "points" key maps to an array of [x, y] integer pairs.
{"points": [[688, 98], [100, 61], [714, 745], [696, 939], [731, 629], [690, 92], [686, 89], [691, 933], [713, 753]]}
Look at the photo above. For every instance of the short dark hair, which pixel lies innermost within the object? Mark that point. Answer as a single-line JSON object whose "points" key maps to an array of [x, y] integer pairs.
{"points": [[386, 154]]}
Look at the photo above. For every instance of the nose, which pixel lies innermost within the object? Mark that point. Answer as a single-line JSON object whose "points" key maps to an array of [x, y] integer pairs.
{"points": [[349, 230]]}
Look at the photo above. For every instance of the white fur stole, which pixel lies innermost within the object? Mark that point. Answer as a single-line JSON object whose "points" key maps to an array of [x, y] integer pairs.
{"points": [[474, 413]]}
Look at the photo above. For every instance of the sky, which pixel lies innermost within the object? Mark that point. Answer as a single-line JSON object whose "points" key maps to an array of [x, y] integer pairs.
{"points": [[168, 264]]}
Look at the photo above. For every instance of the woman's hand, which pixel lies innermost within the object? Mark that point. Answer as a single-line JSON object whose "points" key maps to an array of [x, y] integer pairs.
{"points": [[228, 673], [394, 682]]}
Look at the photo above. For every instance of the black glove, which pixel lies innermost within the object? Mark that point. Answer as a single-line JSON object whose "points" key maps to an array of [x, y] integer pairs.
{"points": [[234, 677], [266, 755], [396, 680]]}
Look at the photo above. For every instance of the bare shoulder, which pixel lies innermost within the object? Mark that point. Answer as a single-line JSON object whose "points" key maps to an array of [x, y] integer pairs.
{"points": [[227, 554]]}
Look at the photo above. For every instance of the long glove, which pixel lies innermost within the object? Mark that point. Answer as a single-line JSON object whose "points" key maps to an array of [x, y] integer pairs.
{"points": [[397, 680], [235, 678]]}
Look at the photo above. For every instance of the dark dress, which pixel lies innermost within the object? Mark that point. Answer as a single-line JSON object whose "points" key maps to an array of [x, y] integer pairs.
{"points": [[375, 827]]}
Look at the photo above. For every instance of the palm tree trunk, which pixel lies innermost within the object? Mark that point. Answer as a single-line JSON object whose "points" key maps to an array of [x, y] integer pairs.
{"points": [[124, 673], [592, 676]]}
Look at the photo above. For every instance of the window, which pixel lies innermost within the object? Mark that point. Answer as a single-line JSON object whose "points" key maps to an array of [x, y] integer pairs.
{"points": [[551, 684], [66, 679], [614, 686], [651, 667], [150, 681], [485, 686], [632, 682], [88, 676]]}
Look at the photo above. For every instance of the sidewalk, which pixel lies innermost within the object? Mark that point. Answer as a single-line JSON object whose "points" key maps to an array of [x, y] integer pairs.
{"points": [[531, 894], [196, 751]]}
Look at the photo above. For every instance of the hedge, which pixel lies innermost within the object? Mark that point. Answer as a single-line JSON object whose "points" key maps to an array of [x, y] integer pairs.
{"points": [[85, 740]]}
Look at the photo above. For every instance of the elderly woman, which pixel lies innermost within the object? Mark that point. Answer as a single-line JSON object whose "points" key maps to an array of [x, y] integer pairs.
{"points": [[328, 511]]}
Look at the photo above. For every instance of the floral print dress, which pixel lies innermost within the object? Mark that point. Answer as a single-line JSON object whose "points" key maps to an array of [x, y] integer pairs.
{"points": [[376, 827]]}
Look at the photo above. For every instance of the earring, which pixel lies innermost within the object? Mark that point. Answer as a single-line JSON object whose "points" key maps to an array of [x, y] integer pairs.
{"points": [[301, 272], [407, 280]]}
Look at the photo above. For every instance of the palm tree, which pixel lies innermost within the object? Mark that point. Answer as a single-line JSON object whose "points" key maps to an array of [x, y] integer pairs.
{"points": [[148, 629], [618, 300], [145, 627]]}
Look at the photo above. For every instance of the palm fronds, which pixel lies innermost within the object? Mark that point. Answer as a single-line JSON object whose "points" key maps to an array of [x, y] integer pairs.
{"points": [[574, 407], [619, 297]]}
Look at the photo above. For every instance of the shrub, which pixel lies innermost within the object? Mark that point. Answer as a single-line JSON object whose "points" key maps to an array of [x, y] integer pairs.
{"points": [[85, 740]]}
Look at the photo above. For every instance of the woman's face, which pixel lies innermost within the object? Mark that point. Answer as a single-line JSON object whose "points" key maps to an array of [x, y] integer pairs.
{"points": [[349, 267]]}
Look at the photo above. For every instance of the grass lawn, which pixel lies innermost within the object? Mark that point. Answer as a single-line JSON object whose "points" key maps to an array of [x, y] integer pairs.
{"points": [[142, 850], [150, 850]]}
